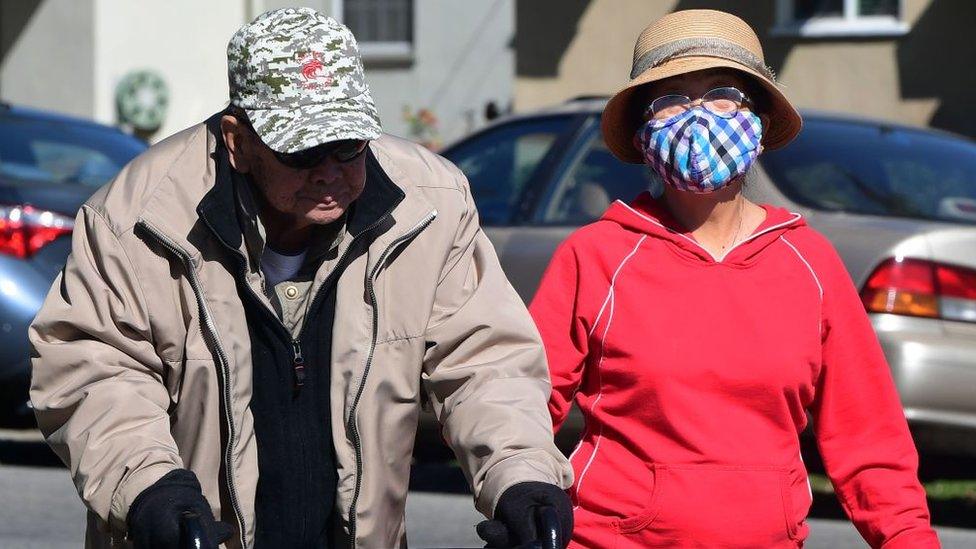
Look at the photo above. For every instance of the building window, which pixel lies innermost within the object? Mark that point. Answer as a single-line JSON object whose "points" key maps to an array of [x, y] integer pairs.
{"points": [[383, 28], [841, 18]]}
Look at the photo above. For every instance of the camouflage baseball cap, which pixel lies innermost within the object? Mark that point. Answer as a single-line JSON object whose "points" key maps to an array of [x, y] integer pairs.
{"points": [[298, 76]]}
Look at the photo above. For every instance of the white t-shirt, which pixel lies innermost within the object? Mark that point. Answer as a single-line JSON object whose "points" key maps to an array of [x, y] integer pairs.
{"points": [[278, 267]]}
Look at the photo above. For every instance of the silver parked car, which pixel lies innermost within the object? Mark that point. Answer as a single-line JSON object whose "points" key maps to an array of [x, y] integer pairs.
{"points": [[898, 203]]}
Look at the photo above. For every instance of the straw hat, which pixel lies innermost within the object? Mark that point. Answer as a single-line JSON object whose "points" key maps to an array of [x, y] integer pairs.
{"points": [[687, 41]]}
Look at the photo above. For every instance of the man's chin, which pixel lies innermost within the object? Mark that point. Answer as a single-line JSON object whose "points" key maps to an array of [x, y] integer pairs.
{"points": [[323, 215]]}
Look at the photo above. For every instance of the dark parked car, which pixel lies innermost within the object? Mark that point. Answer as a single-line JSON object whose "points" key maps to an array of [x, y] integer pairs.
{"points": [[49, 165], [898, 203]]}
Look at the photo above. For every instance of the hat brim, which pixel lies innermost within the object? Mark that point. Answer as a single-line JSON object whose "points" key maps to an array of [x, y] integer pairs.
{"points": [[622, 116], [299, 128]]}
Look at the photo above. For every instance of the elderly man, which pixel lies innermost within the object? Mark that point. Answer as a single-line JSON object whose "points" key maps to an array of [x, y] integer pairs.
{"points": [[254, 310]]}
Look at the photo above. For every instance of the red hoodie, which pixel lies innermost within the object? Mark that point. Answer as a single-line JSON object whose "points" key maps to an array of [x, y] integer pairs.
{"points": [[695, 376]]}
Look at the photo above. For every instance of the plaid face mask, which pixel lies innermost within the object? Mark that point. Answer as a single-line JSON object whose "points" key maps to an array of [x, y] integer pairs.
{"points": [[699, 151]]}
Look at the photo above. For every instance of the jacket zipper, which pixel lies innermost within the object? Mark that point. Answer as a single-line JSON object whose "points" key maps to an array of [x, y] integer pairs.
{"points": [[210, 334], [351, 423], [296, 346], [298, 363], [297, 358]]}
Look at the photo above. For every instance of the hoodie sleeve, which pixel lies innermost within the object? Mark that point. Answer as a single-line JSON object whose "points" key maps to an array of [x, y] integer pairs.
{"points": [[556, 311], [860, 426]]}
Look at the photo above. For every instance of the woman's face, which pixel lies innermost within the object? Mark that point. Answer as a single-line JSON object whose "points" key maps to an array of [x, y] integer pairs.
{"points": [[729, 144]]}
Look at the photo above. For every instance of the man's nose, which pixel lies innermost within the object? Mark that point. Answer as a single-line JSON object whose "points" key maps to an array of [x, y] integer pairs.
{"points": [[328, 171]]}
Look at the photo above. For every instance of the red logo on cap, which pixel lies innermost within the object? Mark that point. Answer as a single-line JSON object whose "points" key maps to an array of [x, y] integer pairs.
{"points": [[312, 68]]}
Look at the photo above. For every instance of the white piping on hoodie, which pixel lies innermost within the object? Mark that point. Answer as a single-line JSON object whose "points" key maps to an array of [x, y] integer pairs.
{"points": [[796, 217], [816, 280], [813, 273], [599, 378], [613, 280]]}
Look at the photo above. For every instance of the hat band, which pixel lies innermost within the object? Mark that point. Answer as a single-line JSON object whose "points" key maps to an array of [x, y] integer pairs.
{"points": [[711, 47]]}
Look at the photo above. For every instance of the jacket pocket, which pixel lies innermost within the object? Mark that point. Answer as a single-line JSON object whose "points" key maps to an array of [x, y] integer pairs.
{"points": [[714, 505]]}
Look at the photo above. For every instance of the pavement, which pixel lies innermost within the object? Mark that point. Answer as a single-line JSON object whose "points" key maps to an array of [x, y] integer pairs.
{"points": [[39, 509]]}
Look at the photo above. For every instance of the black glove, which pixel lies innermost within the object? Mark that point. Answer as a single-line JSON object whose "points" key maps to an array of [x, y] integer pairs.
{"points": [[514, 520], [154, 517]]}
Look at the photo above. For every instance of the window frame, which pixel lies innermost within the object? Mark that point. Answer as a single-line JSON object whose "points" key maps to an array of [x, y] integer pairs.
{"points": [[116, 146], [809, 208], [397, 51], [546, 171], [573, 154], [850, 24]]}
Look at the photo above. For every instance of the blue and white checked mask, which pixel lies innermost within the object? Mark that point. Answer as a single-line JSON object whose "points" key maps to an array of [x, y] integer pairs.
{"points": [[699, 151]]}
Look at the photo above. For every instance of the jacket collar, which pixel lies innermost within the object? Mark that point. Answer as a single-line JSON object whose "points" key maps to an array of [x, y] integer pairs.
{"points": [[174, 208]]}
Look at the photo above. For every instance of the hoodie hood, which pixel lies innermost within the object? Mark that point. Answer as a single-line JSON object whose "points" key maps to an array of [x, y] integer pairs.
{"points": [[651, 217]]}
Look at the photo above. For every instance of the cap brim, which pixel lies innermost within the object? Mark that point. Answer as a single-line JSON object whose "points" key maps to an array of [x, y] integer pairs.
{"points": [[622, 116], [299, 128]]}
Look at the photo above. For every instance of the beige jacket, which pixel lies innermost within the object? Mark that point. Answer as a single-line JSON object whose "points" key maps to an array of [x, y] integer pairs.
{"points": [[142, 362]]}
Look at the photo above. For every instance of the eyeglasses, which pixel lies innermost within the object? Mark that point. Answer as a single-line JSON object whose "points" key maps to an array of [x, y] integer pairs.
{"points": [[343, 151], [721, 101]]}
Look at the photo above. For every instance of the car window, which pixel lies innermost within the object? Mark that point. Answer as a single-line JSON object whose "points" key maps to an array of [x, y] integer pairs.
{"points": [[877, 170], [593, 179], [499, 162], [63, 152]]}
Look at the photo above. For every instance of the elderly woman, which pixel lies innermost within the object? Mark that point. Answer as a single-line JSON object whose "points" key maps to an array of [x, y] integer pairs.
{"points": [[697, 330]]}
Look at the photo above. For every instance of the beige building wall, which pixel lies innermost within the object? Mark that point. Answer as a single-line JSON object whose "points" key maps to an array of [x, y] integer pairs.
{"points": [[597, 55], [70, 55], [919, 78], [188, 52], [47, 51]]}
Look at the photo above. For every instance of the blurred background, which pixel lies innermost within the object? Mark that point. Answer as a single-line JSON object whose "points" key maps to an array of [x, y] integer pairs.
{"points": [[511, 91], [903, 60]]}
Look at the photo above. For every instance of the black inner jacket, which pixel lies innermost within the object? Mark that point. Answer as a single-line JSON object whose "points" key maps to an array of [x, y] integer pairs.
{"points": [[297, 480]]}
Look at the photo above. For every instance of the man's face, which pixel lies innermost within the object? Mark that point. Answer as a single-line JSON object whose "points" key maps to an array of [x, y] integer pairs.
{"points": [[301, 197]]}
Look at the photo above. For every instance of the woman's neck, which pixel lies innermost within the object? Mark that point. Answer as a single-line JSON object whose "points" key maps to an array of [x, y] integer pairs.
{"points": [[717, 220]]}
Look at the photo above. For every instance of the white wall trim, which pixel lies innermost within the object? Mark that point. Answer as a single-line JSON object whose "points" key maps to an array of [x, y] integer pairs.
{"points": [[386, 51], [847, 25]]}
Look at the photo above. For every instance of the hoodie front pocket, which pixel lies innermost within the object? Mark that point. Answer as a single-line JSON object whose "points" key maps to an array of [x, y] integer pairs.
{"points": [[714, 505]]}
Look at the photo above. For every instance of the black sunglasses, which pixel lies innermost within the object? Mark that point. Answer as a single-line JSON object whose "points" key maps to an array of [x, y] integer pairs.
{"points": [[342, 151]]}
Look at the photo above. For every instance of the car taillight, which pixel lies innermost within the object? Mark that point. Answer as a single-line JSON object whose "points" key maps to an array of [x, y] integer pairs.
{"points": [[917, 287], [25, 229]]}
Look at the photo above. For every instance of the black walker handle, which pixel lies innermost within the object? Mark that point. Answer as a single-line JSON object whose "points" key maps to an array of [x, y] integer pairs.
{"points": [[192, 534], [547, 529]]}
